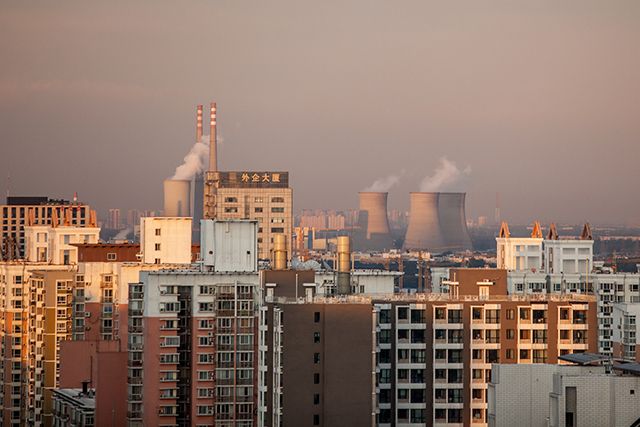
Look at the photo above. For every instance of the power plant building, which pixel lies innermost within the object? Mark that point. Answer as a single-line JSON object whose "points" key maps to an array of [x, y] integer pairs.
{"points": [[437, 222]]}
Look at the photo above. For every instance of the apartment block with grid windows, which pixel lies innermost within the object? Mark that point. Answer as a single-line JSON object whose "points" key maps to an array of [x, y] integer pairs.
{"points": [[35, 319], [192, 340], [433, 353], [20, 211], [261, 196]]}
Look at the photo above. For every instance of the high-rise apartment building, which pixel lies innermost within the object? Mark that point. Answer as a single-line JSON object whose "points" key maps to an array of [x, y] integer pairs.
{"points": [[433, 352], [15, 214], [626, 331], [114, 220], [261, 196], [36, 316], [35, 319], [193, 336]]}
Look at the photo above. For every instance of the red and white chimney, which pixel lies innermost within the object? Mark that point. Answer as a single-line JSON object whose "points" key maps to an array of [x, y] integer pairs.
{"points": [[213, 149], [199, 124]]}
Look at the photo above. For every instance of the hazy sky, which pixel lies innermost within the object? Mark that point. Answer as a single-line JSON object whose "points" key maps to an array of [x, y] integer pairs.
{"points": [[541, 100]]}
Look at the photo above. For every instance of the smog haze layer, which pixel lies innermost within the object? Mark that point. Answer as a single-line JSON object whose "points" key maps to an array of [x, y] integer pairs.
{"points": [[536, 100]]}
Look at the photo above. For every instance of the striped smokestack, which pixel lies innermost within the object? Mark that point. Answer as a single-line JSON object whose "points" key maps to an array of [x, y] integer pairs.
{"points": [[199, 124], [213, 141]]}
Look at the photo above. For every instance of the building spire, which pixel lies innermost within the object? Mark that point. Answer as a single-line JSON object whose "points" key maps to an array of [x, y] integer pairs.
{"points": [[504, 230], [537, 231], [586, 232]]}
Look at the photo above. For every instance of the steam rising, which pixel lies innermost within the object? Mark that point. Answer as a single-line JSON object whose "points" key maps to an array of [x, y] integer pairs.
{"points": [[384, 184], [196, 161], [447, 177]]}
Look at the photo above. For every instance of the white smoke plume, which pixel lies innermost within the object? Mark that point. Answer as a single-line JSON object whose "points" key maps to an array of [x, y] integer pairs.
{"points": [[384, 184], [447, 177], [196, 160]]}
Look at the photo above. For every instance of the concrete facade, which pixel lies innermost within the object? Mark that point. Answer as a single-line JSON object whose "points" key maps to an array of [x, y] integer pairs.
{"points": [[261, 196], [165, 240], [19, 211], [626, 329], [561, 395]]}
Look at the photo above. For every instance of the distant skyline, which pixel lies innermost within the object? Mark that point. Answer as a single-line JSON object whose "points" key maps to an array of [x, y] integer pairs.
{"points": [[538, 101]]}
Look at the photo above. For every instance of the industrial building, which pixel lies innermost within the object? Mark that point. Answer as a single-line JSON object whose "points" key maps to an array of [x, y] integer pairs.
{"points": [[263, 196], [43, 211], [437, 222]]}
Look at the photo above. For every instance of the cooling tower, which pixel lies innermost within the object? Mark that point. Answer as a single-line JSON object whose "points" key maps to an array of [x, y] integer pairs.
{"points": [[453, 221], [374, 222], [177, 197], [437, 223], [424, 231]]}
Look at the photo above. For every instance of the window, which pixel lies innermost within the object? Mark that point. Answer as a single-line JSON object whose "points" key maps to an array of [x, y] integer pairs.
{"points": [[454, 316], [316, 399], [205, 375], [277, 200], [157, 246], [316, 317], [440, 313], [316, 378], [277, 210], [510, 354], [454, 395], [277, 229], [231, 210], [157, 231], [510, 314], [316, 419], [384, 377], [231, 200], [316, 358], [510, 334], [204, 341], [316, 337], [384, 316], [258, 210]]}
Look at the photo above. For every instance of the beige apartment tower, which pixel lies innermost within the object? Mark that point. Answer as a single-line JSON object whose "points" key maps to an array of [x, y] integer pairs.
{"points": [[261, 196]]}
